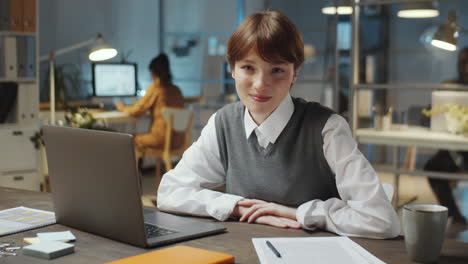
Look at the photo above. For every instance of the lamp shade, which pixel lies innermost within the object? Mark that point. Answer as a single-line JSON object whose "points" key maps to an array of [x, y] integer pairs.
{"points": [[101, 50], [447, 34], [418, 10], [338, 7]]}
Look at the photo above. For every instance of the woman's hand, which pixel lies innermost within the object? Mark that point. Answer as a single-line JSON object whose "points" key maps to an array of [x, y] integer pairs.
{"points": [[120, 106], [261, 212], [277, 221], [259, 208]]}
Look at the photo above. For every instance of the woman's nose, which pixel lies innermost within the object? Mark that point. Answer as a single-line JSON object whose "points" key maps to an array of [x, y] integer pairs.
{"points": [[261, 82]]}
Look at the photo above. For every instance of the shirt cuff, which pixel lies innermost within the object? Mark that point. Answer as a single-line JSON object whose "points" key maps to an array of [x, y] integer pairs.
{"points": [[221, 208], [310, 215]]}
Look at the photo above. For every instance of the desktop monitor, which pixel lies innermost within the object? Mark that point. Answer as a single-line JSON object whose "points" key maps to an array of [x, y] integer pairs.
{"points": [[114, 79]]}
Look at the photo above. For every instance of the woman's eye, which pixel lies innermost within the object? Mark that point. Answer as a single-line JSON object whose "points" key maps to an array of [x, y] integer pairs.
{"points": [[277, 70], [247, 67]]}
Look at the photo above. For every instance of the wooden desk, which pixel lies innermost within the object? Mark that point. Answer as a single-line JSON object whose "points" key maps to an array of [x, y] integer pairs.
{"points": [[106, 117], [114, 117], [90, 248]]}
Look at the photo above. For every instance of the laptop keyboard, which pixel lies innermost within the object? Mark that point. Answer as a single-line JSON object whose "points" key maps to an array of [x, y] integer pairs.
{"points": [[156, 231]]}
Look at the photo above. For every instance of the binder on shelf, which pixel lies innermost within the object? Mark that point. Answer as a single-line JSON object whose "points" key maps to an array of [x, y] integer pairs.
{"points": [[30, 53], [16, 15], [10, 57], [21, 56], [29, 15], [4, 15]]}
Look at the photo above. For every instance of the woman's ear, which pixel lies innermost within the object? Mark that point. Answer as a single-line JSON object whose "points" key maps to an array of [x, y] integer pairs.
{"points": [[232, 74], [296, 73]]}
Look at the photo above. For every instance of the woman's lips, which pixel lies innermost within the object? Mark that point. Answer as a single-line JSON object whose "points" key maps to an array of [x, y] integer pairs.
{"points": [[260, 98]]}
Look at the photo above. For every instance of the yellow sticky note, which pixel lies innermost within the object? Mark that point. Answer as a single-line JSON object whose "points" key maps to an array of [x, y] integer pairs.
{"points": [[28, 213], [12, 216], [25, 219], [31, 240]]}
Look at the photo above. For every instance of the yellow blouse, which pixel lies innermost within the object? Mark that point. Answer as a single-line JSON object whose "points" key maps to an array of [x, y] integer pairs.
{"points": [[156, 97]]}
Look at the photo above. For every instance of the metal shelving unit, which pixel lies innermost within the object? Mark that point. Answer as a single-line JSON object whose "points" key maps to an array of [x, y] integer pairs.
{"points": [[382, 137]]}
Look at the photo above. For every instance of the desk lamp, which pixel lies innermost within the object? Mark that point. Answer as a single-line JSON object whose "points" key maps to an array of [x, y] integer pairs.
{"points": [[100, 51], [446, 35]]}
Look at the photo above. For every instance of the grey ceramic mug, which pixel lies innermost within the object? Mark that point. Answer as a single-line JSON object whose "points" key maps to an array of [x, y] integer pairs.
{"points": [[424, 228]]}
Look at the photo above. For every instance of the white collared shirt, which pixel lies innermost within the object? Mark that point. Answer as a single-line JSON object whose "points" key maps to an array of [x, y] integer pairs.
{"points": [[363, 209]]}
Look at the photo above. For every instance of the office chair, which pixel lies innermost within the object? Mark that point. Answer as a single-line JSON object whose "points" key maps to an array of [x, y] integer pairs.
{"points": [[177, 120]]}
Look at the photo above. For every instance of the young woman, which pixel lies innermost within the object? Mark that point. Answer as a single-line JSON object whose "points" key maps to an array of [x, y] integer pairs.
{"points": [[159, 94], [285, 162]]}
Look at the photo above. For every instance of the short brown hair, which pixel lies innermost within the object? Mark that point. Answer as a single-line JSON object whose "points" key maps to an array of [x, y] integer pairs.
{"points": [[271, 34]]}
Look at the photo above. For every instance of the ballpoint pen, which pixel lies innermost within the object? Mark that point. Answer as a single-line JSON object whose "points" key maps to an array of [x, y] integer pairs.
{"points": [[273, 249]]}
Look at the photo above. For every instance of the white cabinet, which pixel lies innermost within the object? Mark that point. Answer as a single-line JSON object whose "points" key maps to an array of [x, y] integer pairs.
{"points": [[19, 96], [23, 179], [18, 151], [27, 109]]}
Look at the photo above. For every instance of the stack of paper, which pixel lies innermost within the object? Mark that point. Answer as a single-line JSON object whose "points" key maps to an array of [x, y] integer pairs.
{"points": [[313, 250], [49, 249], [50, 245], [64, 236]]}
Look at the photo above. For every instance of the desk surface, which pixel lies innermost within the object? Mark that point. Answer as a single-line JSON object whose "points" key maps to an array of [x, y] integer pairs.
{"points": [[237, 241], [106, 116], [413, 136]]}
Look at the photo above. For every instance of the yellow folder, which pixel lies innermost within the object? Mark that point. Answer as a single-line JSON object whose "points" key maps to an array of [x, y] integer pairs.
{"points": [[178, 255]]}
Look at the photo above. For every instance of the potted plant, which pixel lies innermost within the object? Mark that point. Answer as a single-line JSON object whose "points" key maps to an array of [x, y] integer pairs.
{"points": [[456, 116]]}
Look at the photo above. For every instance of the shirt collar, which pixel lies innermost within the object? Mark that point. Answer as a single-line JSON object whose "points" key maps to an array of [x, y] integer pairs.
{"points": [[272, 127]]}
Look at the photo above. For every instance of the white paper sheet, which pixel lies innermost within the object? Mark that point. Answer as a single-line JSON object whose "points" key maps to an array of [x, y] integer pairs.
{"points": [[327, 250], [64, 236], [21, 218]]}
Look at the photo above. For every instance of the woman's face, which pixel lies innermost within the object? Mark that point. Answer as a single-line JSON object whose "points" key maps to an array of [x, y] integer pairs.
{"points": [[262, 85]]}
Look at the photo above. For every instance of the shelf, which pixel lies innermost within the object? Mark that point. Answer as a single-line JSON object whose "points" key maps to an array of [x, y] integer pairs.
{"points": [[412, 86], [413, 136], [18, 80], [19, 34], [432, 174]]}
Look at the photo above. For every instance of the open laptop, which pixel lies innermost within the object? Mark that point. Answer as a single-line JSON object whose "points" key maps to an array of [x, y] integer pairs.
{"points": [[96, 188]]}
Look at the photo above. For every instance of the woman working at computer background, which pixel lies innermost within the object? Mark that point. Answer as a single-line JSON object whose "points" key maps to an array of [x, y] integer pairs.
{"points": [[285, 162], [160, 93], [450, 161]]}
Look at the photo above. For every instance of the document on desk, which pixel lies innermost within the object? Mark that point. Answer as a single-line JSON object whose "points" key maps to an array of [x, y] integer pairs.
{"points": [[297, 250], [21, 218]]}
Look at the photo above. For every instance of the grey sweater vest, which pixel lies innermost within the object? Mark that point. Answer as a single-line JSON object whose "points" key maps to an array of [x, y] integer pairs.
{"points": [[290, 172]]}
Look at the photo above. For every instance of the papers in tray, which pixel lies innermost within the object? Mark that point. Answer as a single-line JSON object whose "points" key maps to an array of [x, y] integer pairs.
{"points": [[313, 250]]}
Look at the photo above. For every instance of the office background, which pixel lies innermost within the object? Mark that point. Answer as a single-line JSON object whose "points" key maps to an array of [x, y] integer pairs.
{"points": [[133, 28], [194, 34]]}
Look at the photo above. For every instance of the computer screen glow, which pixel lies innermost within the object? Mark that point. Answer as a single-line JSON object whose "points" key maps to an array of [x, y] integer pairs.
{"points": [[114, 79]]}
